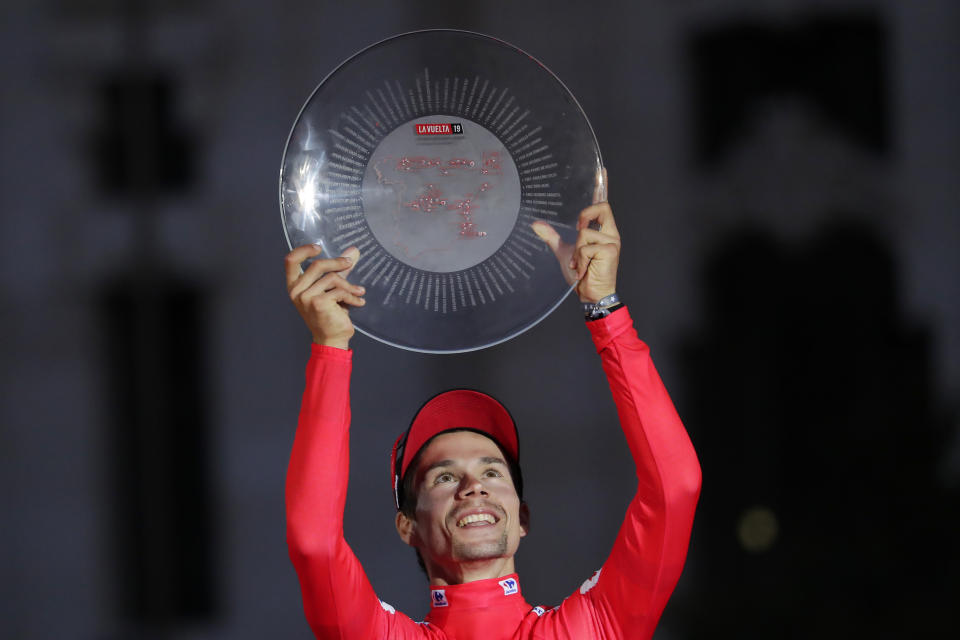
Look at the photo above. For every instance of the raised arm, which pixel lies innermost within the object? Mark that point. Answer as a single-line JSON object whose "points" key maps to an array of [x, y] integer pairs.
{"points": [[627, 596], [338, 599], [649, 553], [630, 592]]}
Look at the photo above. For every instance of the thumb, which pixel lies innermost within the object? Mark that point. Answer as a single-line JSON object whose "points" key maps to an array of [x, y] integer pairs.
{"points": [[549, 236], [562, 251], [354, 254]]}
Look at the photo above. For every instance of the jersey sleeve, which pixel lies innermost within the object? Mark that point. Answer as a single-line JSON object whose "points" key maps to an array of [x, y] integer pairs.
{"points": [[338, 599], [626, 597]]}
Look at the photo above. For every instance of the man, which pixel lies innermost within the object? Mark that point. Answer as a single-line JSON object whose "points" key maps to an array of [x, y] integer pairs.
{"points": [[456, 477]]}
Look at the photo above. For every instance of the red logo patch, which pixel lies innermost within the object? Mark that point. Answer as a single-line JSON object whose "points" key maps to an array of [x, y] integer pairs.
{"points": [[438, 128]]}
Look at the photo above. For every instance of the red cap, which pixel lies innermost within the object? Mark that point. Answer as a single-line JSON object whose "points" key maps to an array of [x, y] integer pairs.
{"points": [[454, 409]]}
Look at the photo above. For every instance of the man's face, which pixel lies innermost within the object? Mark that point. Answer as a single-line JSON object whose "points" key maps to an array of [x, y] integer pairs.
{"points": [[467, 507]]}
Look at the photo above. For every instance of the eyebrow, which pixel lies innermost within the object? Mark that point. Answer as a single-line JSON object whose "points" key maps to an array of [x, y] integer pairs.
{"points": [[450, 463]]}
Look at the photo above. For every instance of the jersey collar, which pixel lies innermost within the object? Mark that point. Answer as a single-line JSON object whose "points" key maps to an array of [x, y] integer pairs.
{"points": [[476, 594]]}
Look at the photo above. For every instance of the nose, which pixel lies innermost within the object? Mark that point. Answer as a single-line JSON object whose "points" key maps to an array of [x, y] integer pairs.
{"points": [[471, 487]]}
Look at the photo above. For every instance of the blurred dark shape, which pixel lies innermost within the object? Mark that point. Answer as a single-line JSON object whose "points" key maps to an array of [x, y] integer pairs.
{"points": [[159, 432], [162, 533], [834, 62], [139, 147], [812, 397]]}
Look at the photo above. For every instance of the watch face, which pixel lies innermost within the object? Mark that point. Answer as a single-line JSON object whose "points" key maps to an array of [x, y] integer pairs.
{"points": [[433, 152]]}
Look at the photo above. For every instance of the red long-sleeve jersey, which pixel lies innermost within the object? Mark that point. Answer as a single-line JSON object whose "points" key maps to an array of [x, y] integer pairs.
{"points": [[624, 599]]}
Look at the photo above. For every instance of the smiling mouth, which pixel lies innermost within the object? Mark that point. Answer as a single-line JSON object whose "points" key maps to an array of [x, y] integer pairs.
{"points": [[476, 520]]}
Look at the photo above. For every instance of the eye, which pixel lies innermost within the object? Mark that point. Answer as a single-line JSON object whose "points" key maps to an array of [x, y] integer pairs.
{"points": [[492, 473], [446, 476]]}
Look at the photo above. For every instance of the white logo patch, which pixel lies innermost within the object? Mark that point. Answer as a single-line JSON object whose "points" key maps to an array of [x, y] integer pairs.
{"points": [[591, 582], [509, 585], [387, 607], [539, 611], [438, 597]]}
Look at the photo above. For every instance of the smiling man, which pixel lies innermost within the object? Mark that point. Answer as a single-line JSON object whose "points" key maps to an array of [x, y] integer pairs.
{"points": [[457, 481], [458, 489]]}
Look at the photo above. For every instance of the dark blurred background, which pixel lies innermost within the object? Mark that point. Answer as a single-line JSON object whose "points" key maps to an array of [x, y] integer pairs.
{"points": [[785, 178]]}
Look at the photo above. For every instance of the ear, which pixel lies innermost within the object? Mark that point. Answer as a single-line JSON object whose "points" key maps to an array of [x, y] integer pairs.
{"points": [[524, 519], [405, 527]]}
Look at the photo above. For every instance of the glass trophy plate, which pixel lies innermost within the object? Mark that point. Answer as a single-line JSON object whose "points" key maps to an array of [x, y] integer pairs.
{"points": [[433, 152]]}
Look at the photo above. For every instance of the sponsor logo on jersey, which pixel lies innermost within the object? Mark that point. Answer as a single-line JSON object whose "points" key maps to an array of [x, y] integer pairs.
{"points": [[438, 128], [510, 586], [438, 598], [591, 582], [539, 611]]}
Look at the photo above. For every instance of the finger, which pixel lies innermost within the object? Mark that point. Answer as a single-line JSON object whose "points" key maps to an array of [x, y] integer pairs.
{"points": [[600, 213], [329, 281], [343, 265], [353, 255], [590, 236], [292, 260], [601, 186], [325, 303], [317, 298], [345, 297], [333, 280], [316, 271], [548, 234], [589, 252], [562, 251]]}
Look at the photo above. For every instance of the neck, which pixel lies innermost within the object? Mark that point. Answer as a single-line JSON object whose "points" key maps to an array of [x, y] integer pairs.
{"points": [[469, 571]]}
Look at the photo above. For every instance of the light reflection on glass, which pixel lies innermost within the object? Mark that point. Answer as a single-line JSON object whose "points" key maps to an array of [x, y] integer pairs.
{"points": [[305, 184]]}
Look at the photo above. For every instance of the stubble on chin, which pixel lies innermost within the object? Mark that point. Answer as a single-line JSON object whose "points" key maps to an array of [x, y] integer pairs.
{"points": [[481, 550]]}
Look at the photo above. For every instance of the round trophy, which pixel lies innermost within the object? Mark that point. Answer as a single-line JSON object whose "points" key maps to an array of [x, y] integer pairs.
{"points": [[433, 153]]}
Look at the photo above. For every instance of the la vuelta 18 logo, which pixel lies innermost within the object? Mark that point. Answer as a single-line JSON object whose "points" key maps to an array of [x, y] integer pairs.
{"points": [[439, 129]]}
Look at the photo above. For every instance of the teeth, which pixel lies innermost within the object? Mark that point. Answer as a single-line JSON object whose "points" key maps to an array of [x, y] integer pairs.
{"points": [[477, 517]]}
